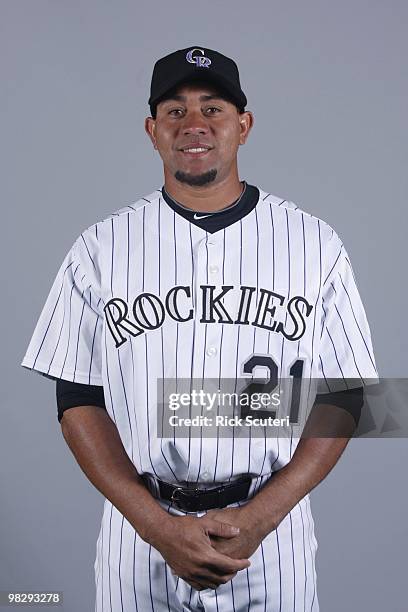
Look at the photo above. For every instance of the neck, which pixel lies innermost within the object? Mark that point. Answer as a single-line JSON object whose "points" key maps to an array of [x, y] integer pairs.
{"points": [[212, 197]]}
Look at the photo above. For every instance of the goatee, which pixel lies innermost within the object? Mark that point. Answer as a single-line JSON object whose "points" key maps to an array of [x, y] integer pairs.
{"points": [[196, 180]]}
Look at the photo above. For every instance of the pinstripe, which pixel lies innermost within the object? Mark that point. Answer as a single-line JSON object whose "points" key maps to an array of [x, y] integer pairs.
{"points": [[59, 335], [203, 370], [120, 559], [161, 338], [51, 318], [264, 575], [220, 363], [118, 354], [336, 356], [102, 562], [134, 569], [249, 439], [288, 267], [92, 351], [273, 261], [177, 324], [133, 395], [69, 325], [167, 587], [79, 331], [87, 250], [216, 600], [358, 326], [236, 358], [304, 556], [298, 351], [108, 385], [132, 359], [109, 556], [348, 340], [324, 375], [293, 562], [333, 266], [315, 308], [201, 428], [127, 405], [280, 569], [291, 427], [193, 290], [304, 266], [312, 561], [150, 576], [145, 338], [147, 407], [232, 596]]}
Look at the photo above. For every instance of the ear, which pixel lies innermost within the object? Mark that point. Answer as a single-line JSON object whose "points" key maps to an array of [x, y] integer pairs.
{"points": [[150, 129], [246, 121]]}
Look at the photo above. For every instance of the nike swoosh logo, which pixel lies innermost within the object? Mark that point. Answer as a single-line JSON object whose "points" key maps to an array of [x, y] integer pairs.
{"points": [[201, 216]]}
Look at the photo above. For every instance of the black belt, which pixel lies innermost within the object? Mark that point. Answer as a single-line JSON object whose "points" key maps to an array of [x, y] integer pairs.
{"points": [[194, 499]]}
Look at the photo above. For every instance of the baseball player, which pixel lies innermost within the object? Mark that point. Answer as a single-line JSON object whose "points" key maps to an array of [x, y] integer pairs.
{"points": [[207, 278]]}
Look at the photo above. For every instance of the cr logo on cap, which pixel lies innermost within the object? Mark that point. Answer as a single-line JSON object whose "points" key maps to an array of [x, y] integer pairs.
{"points": [[199, 61]]}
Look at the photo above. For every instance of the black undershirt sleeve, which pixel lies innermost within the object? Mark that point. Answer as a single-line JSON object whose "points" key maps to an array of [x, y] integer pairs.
{"points": [[70, 394], [350, 400]]}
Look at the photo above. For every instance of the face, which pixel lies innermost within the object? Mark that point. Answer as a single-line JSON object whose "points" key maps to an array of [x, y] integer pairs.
{"points": [[197, 134]]}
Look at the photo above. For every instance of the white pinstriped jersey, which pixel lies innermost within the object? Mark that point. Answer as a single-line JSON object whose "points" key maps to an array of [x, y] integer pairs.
{"points": [[136, 300], [289, 292]]}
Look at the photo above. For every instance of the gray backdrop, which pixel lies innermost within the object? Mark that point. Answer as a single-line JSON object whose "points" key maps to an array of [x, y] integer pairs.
{"points": [[327, 84]]}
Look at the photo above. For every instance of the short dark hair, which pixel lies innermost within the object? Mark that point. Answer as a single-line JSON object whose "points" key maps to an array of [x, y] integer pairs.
{"points": [[220, 90]]}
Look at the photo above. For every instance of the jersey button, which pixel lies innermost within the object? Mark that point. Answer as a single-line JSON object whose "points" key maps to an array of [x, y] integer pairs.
{"points": [[206, 476], [214, 269], [211, 351]]}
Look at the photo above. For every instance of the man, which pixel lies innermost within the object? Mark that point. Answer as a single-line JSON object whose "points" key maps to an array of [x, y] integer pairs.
{"points": [[209, 278]]}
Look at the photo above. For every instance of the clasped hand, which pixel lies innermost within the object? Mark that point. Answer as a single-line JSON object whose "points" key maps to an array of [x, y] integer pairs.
{"points": [[207, 551]]}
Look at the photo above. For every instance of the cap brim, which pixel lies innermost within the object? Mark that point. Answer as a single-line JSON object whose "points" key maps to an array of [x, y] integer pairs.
{"points": [[236, 96]]}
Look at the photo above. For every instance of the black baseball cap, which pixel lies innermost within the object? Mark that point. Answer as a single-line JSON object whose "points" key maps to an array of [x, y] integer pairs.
{"points": [[196, 63]]}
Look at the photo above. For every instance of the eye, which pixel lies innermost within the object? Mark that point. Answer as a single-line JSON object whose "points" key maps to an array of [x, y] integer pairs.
{"points": [[214, 110], [175, 111]]}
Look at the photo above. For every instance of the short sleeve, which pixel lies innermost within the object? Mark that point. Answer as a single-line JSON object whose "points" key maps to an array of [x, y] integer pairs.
{"points": [[346, 357], [66, 342]]}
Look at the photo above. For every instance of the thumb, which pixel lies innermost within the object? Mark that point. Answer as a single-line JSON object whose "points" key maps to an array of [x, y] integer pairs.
{"points": [[222, 530]]}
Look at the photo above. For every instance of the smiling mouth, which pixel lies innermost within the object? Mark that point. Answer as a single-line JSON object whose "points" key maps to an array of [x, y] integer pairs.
{"points": [[195, 151]]}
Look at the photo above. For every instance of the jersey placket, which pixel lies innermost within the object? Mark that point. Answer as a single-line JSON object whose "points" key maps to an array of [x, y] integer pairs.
{"points": [[207, 272]]}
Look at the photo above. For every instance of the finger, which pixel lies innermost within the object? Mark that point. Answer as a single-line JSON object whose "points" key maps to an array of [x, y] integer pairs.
{"points": [[207, 581], [216, 571], [220, 578], [224, 564], [196, 585], [222, 530], [212, 581]]}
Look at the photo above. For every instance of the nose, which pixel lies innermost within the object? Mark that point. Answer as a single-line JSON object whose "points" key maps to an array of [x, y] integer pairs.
{"points": [[194, 123]]}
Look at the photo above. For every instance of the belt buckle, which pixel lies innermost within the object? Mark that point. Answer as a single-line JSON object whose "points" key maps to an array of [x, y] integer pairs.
{"points": [[179, 492]]}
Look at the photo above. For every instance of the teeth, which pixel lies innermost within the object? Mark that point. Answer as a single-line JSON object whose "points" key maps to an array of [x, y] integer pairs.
{"points": [[199, 150]]}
